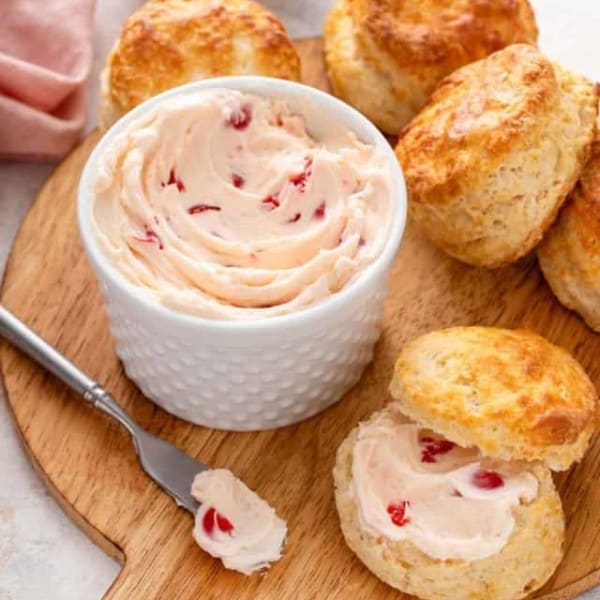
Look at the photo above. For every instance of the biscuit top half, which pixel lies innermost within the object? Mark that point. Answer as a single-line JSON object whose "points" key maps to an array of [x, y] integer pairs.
{"points": [[511, 393], [484, 112], [442, 35], [171, 42]]}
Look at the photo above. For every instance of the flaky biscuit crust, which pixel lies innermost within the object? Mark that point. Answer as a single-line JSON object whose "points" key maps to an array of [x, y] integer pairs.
{"points": [[388, 102], [167, 43], [491, 158], [432, 38], [511, 393], [386, 57], [524, 564], [569, 254]]}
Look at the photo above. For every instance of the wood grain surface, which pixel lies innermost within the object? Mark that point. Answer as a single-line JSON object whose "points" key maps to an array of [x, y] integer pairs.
{"points": [[89, 463]]}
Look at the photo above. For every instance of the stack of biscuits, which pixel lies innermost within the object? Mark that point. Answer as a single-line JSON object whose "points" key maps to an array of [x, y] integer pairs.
{"points": [[493, 136], [386, 57]]}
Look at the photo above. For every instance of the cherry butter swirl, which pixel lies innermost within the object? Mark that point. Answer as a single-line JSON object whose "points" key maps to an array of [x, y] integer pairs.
{"points": [[234, 524], [221, 204], [412, 485]]}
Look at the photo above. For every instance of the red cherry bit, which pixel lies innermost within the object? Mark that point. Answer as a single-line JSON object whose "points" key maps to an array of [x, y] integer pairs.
{"points": [[270, 203], [300, 179], [208, 521], [174, 180], [150, 237], [487, 480], [237, 180], [224, 524], [397, 512], [211, 516], [241, 118], [200, 208], [319, 211], [434, 448]]}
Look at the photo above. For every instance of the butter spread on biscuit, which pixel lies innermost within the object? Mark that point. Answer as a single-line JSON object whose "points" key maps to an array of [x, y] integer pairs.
{"points": [[448, 501], [235, 524], [223, 205]]}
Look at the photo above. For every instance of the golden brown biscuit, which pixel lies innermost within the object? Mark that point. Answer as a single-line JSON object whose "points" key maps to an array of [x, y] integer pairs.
{"points": [[524, 564], [511, 393], [385, 57], [167, 43], [569, 254], [491, 158]]}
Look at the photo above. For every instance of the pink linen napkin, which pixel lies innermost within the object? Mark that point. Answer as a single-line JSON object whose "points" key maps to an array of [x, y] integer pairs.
{"points": [[45, 58]]}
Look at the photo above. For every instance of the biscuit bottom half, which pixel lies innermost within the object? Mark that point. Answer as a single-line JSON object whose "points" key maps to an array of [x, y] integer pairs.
{"points": [[523, 565]]}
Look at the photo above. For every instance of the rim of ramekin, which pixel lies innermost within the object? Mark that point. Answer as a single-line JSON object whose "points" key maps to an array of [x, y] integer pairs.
{"points": [[359, 285]]}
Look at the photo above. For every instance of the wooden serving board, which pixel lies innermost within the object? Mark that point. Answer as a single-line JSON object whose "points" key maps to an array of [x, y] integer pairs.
{"points": [[90, 466]]}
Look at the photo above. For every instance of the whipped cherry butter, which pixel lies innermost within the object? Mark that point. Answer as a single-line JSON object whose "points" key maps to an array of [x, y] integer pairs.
{"points": [[222, 204], [234, 524], [411, 484]]}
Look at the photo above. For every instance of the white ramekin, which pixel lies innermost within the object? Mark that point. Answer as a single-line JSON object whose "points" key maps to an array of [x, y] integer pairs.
{"points": [[248, 375]]}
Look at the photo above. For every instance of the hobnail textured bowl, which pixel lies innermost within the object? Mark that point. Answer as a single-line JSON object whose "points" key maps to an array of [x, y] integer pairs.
{"points": [[251, 374]]}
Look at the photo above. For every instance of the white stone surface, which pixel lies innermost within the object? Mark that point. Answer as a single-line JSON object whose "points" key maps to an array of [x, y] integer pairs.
{"points": [[42, 554]]}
